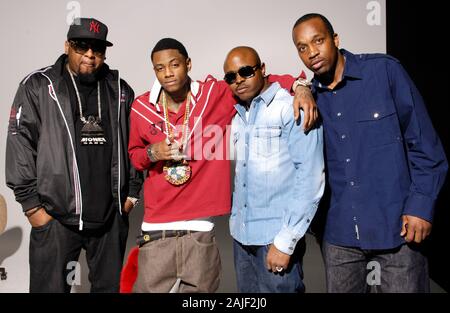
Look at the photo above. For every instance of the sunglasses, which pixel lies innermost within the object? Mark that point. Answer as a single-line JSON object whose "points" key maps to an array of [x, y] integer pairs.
{"points": [[81, 47], [245, 72]]}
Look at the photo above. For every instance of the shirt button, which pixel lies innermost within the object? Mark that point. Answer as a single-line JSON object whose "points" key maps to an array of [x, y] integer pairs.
{"points": [[307, 221], [343, 136], [376, 115], [339, 114], [244, 165], [347, 160], [334, 92], [352, 183], [244, 185]]}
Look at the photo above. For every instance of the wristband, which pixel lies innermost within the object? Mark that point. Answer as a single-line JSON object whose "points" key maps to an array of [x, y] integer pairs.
{"points": [[133, 200], [301, 82], [28, 214], [150, 154]]}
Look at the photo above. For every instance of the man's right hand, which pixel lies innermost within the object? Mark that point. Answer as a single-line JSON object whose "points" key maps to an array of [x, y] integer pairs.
{"points": [[304, 100], [40, 218], [166, 150]]}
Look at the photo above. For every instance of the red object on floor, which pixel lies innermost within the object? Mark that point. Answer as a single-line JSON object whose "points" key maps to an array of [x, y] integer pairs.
{"points": [[129, 272]]}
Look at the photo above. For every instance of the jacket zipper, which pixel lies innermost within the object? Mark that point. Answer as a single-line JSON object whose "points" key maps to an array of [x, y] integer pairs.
{"points": [[118, 143], [76, 174]]}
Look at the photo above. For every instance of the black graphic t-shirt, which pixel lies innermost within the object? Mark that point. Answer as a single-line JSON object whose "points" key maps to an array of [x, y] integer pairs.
{"points": [[94, 161]]}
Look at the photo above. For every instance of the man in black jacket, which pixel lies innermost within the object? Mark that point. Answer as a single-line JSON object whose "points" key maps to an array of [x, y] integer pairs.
{"points": [[67, 162]]}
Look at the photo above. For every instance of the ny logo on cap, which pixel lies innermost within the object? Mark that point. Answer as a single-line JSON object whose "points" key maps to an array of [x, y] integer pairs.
{"points": [[94, 27]]}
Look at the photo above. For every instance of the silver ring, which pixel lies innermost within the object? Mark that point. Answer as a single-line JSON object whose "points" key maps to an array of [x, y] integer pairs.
{"points": [[279, 268]]}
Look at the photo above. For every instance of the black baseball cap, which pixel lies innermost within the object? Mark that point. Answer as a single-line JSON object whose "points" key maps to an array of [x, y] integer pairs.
{"points": [[88, 28]]}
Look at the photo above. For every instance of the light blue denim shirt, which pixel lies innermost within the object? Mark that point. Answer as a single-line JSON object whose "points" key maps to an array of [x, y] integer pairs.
{"points": [[279, 177]]}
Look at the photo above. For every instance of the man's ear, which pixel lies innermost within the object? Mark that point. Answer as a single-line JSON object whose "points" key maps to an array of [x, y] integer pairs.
{"points": [[188, 64], [263, 69], [336, 40], [66, 47]]}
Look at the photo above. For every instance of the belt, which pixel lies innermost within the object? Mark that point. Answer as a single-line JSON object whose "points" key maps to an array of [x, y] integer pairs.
{"points": [[148, 236]]}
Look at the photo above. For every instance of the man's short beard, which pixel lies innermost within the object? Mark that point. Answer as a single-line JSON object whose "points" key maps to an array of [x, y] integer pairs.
{"points": [[93, 77]]}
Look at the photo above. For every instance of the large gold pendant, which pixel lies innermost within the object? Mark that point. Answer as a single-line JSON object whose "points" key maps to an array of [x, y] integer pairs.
{"points": [[177, 172]]}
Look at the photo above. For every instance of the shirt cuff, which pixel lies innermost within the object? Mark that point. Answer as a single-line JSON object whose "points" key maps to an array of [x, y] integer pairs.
{"points": [[420, 205], [286, 240]]}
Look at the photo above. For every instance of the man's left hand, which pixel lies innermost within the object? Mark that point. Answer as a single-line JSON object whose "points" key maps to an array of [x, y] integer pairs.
{"points": [[304, 100], [127, 207], [415, 229], [277, 260]]}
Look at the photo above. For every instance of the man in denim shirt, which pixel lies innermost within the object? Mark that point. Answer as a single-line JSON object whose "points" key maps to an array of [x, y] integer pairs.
{"points": [[385, 164], [279, 179]]}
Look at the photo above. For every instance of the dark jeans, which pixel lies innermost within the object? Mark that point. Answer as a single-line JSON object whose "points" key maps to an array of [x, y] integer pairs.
{"points": [[55, 248], [403, 269], [253, 276]]}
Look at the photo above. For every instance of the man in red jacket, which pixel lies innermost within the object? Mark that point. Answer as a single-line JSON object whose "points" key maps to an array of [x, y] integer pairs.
{"points": [[179, 134]]}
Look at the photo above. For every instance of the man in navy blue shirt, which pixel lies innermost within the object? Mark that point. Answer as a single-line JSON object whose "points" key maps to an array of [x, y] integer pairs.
{"points": [[385, 164]]}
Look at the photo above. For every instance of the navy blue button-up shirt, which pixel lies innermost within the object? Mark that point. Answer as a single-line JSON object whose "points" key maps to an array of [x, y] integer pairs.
{"points": [[383, 156]]}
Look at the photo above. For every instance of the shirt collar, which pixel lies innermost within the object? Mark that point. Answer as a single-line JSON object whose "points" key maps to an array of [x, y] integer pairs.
{"points": [[266, 96], [352, 68], [156, 90]]}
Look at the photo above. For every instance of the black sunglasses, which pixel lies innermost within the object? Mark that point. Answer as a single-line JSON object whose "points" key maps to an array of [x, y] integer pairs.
{"points": [[81, 47], [245, 72]]}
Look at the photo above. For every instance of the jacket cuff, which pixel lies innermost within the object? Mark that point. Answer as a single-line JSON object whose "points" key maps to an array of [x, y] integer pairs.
{"points": [[30, 203], [134, 190], [420, 205], [285, 241]]}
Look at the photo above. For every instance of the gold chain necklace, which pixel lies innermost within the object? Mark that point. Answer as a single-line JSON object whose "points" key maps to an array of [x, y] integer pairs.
{"points": [[185, 120], [177, 172]]}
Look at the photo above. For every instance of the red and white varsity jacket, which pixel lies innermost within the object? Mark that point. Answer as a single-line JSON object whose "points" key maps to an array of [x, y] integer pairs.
{"points": [[207, 193]]}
